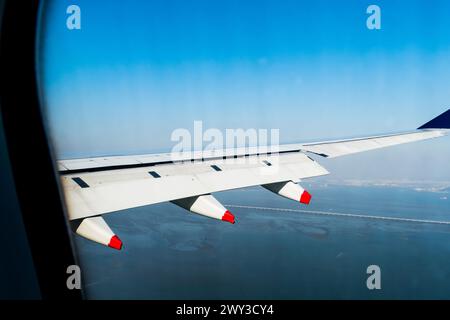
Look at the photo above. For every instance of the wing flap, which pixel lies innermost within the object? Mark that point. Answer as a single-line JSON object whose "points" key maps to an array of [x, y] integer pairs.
{"points": [[114, 190]]}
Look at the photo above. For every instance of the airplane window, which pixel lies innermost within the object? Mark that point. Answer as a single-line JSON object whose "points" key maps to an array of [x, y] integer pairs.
{"points": [[236, 149]]}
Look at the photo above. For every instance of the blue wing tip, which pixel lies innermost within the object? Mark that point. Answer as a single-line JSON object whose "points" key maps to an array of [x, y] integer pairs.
{"points": [[442, 121]]}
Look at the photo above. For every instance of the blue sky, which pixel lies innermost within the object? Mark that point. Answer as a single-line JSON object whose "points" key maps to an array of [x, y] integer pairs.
{"points": [[137, 70]]}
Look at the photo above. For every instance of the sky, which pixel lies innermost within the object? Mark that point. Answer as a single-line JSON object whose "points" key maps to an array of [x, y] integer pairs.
{"points": [[138, 70]]}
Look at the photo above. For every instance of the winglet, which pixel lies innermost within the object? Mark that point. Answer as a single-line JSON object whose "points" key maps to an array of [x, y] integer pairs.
{"points": [[440, 122]]}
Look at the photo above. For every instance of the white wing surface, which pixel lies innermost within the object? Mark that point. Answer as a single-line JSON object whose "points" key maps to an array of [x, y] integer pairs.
{"points": [[100, 185]]}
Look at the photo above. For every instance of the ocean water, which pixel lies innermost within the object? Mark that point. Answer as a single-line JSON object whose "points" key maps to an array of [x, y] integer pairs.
{"points": [[274, 254]]}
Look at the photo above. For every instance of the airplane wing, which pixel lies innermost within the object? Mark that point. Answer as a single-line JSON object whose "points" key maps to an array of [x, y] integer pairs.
{"points": [[333, 149], [100, 185]]}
